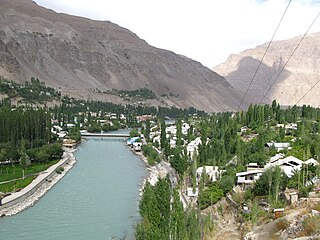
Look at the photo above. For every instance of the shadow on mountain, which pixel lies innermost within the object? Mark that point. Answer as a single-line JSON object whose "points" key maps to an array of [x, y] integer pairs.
{"points": [[263, 78]]}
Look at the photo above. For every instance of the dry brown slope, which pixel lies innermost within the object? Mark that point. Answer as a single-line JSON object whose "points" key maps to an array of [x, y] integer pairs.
{"points": [[299, 75], [77, 54]]}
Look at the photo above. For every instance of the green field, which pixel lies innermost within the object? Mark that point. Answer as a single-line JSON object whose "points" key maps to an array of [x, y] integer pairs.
{"points": [[13, 186], [9, 172]]}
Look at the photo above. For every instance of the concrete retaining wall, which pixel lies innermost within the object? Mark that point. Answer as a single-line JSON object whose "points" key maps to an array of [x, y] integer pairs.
{"points": [[31, 191]]}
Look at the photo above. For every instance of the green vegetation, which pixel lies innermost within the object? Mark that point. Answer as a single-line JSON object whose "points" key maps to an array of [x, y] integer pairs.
{"points": [[166, 219], [210, 196], [59, 170], [134, 133], [138, 94], [31, 92], [8, 172], [311, 225], [151, 154], [16, 185]]}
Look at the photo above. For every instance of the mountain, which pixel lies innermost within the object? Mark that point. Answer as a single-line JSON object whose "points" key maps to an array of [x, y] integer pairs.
{"points": [[296, 79], [83, 58]]}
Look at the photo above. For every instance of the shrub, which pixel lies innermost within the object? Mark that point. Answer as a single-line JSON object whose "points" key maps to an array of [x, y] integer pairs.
{"points": [[59, 170], [281, 224], [311, 225]]}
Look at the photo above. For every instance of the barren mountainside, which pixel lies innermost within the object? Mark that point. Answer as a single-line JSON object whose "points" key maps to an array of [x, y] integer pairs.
{"points": [[296, 79], [78, 55]]}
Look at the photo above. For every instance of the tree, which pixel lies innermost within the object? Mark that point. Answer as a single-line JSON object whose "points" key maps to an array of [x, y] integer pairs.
{"points": [[226, 183], [163, 135], [179, 133], [134, 133], [42, 156], [147, 130], [178, 162], [178, 226]]}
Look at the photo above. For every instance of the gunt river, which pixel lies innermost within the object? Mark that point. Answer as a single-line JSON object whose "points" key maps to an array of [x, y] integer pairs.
{"points": [[97, 199]]}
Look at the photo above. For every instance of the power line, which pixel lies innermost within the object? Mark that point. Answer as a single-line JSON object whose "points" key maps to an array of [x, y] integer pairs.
{"points": [[308, 92], [254, 75], [295, 49]]}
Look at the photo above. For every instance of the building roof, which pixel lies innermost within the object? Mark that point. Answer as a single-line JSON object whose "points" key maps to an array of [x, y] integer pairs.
{"points": [[132, 140], [312, 161], [279, 145], [249, 173]]}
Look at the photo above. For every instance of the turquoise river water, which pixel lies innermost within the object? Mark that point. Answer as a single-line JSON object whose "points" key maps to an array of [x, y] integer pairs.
{"points": [[97, 199]]}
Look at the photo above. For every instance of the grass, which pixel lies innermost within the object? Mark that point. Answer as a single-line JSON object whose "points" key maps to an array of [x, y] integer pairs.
{"points": [[9, 172], [13, 186], [281, 224], [311, 225]]}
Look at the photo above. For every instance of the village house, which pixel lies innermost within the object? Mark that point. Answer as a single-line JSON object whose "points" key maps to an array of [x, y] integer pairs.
{"points": [[244, 129], [191, 193], [156, 139], [289, 165], [192, 147], [171, 130], [276, 157], [130, 141], [247, 179], [144, 118], [254, 166], [93, 114], [185, 128], [291, 126], [69, 143], [137, 146], [173, 143], [312, 162], [212, 172], [113, 116], [279, 146], [122, 117]]}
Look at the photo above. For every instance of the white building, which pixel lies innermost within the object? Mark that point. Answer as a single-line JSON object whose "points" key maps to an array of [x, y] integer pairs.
{"points": [[312, 161], [289, 165], [190, 192], [171, 130], [137, 146], [276, 157], [192, 147], [156, 139], [279, 146], [248, 178], [184, 128], [212, 172]]}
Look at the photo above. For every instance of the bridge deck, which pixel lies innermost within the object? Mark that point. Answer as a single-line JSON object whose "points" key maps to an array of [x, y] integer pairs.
{"points": [[114, 135]]}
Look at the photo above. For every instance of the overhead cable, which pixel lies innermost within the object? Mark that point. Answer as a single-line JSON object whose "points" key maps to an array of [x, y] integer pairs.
{"points": [[295, 49], [254, 75]]}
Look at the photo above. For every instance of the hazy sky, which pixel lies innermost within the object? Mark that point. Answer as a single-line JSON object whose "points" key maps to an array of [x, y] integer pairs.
{"points": [[205, 30]]}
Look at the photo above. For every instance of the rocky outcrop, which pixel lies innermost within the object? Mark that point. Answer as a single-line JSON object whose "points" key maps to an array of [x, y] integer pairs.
{"points": [[296, 79], [78, 55]]}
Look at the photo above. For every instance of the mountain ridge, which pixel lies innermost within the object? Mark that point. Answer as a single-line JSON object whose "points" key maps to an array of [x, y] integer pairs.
{"points": [[77, 55], [297, 78]]}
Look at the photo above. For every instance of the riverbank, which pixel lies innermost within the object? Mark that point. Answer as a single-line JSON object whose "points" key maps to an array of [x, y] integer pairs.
{"points": [[154, 172], [28, 196]]}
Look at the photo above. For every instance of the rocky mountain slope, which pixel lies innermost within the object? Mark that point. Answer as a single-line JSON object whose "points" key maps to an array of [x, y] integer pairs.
{"points": [[298, 76], [79, 56]]}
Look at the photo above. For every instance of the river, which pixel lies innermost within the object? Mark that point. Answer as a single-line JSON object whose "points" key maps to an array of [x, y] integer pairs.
{"points": [[97, 199]]}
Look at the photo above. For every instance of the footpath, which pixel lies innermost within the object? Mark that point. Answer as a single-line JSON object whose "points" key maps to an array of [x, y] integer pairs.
{"points": [[19, 201]]}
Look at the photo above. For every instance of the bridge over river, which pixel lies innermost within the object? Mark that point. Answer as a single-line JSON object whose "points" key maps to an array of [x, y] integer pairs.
{"points": [[106, 135]]}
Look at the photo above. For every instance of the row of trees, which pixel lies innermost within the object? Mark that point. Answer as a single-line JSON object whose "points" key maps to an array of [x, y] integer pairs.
{"points": [[32, 126], [163, 216]]}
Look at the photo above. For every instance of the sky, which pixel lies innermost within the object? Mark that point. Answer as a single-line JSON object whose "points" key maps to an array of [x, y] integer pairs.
{"points": [[207, 31]]}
